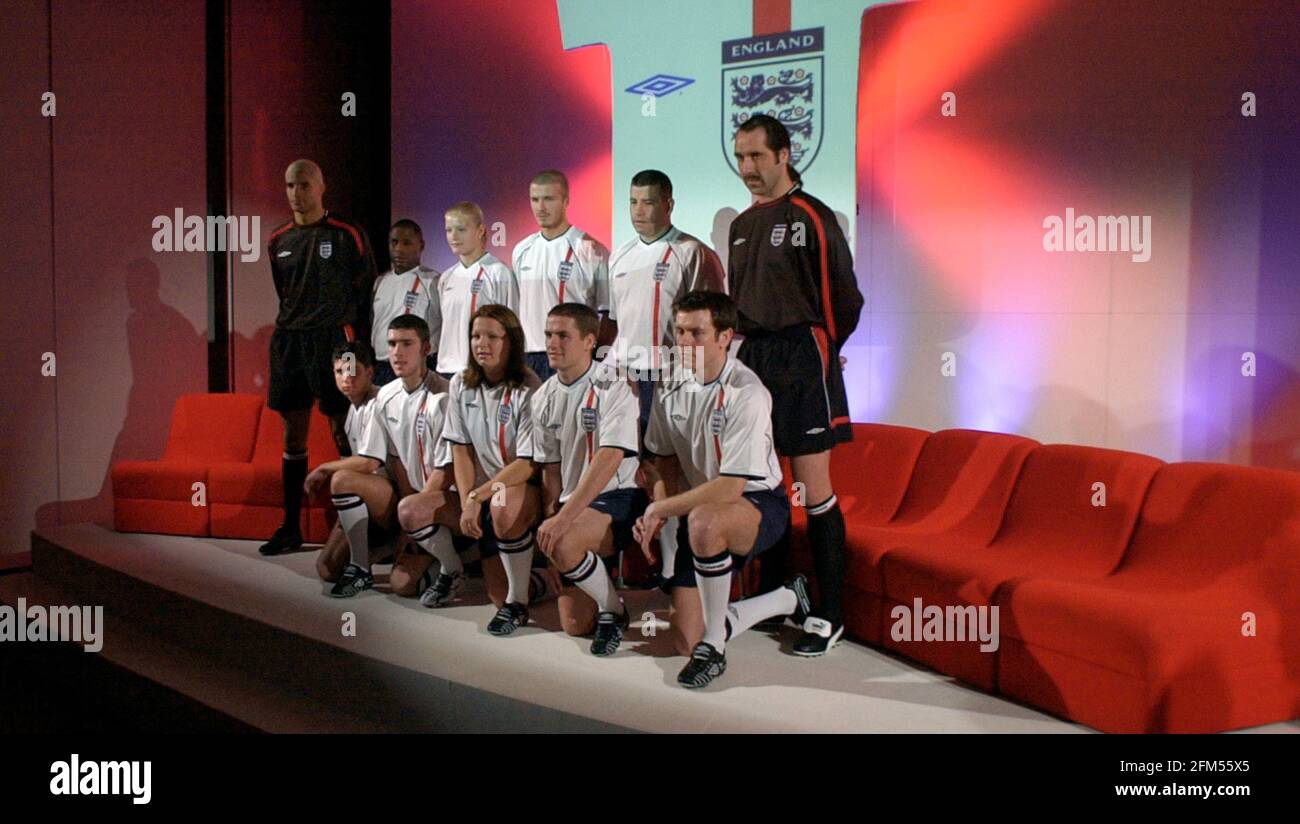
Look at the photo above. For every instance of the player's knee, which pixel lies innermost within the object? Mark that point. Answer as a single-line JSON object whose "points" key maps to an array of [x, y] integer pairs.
{"points": [[327, 571], [576, 618], [412, 513], [402, 582], [341, 481], [295, 434], [509, 525], [568, 551], [705, 530], [578, 625]]}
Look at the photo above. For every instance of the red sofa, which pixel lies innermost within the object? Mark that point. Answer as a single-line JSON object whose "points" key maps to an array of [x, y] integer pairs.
{"points": [[1162, 642], [233, 445], [246, 498], [1169, 609]]}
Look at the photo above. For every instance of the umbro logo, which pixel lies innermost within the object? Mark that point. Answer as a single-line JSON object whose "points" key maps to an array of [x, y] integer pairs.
{"points": [[285, 253], [738, 241], [552, 426], [524, 268], [391, 419], [816, 430], [679, 417], [619, 275]]}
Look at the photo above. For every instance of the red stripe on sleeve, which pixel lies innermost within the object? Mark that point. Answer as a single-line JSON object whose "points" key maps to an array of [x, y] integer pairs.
{"points": [[823, 263], [286, 227], [361, 249], [501, 429], [591, 436], [473, 296], [568, 257], [717, 438]]}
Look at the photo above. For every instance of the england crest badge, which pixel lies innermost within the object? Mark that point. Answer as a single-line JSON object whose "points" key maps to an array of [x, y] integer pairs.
{"points": [[661, 272], [326, 249], [778, 234], [778, 75], [566, 270], [589, 419], [716, 421]]}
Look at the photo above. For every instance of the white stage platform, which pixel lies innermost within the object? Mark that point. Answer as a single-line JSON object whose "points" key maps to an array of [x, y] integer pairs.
{"points": [[256, 639]]}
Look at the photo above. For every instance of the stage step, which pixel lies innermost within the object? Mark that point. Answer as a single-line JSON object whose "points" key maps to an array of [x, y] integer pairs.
{"points": [[256, 640], [263, 676]]}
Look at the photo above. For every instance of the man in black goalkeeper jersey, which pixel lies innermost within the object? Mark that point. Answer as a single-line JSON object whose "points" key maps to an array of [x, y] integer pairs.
{"points": [[324, 269], [790, 273]]}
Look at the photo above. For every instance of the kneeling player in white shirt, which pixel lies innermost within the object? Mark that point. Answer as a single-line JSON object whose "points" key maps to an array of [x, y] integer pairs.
{"points": [[711, 437], [406, 435], [490, 429], [584, 430], [477, 279], [355, 481]]}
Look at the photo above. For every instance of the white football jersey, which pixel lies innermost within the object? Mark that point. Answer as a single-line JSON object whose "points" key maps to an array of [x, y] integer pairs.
{"points": [[572, 268], [413, 292], [719, 428], [571, 422], [644, 280], [496, 421], [409, 425], [359, 417], [461, 291]]}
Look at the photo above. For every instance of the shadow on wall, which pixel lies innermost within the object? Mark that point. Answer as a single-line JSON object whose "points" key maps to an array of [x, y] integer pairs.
{"points": [[1275, 439], [252, 361], [162, 345], [1229, 417]]}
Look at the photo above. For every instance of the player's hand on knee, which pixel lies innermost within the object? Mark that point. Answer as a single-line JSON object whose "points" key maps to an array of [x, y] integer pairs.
{"points": [[644, 531], [314, 481], [469, 525], [550, 533]]}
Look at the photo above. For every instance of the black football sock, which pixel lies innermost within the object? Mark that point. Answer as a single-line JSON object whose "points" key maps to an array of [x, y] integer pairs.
{"points": [[293, 472], [826, 536]]}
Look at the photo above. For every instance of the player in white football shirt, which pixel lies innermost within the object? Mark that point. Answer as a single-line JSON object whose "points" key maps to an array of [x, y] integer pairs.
{"points": [[715, 464], [477, 279], [408, 288], [490, 430], [405, 435], [557, 264], [585, 438], [354, 481], [647, 274]]}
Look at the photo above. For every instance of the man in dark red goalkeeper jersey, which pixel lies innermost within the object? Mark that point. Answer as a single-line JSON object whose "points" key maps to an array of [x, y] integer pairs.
{"points": [[324, 269], [790, 273]]}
